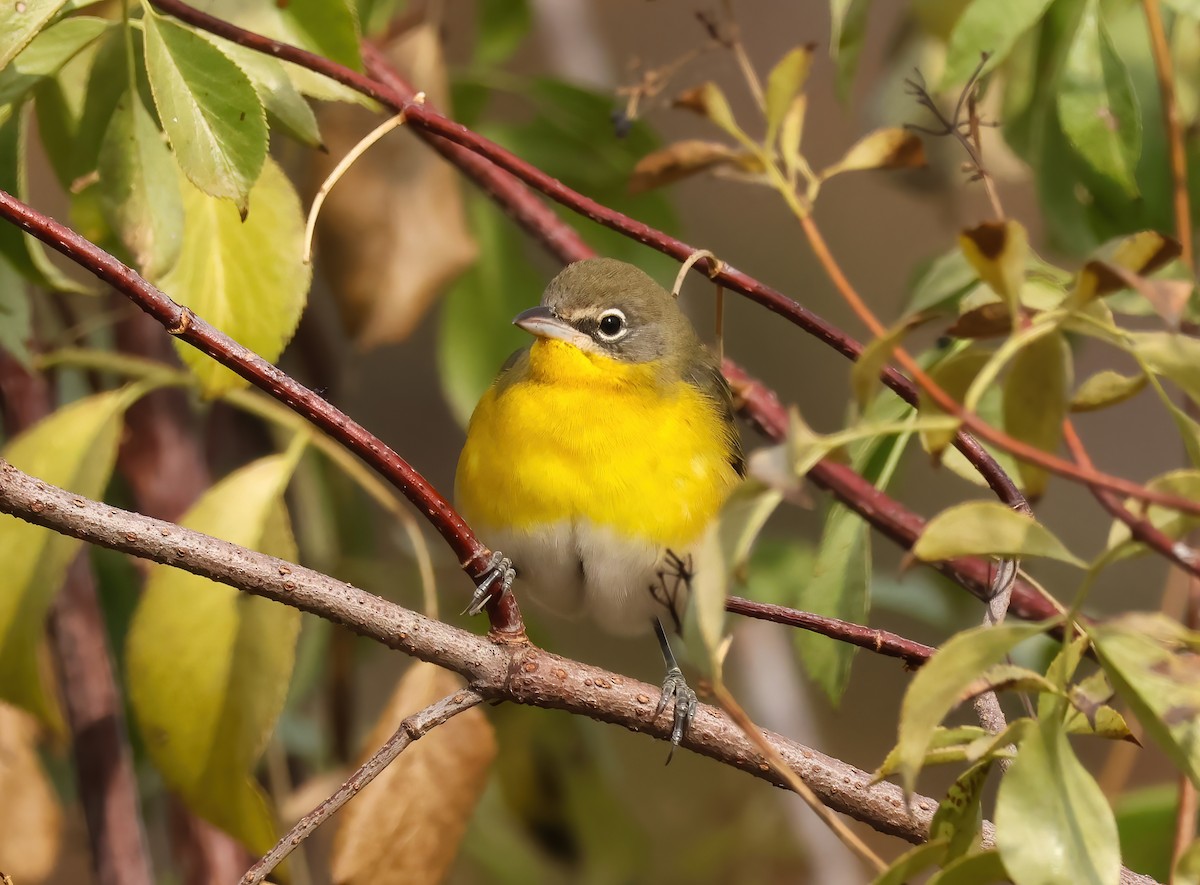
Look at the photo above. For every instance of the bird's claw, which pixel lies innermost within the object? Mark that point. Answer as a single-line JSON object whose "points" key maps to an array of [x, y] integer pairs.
{"points": [[500, 568], [676, 687]]}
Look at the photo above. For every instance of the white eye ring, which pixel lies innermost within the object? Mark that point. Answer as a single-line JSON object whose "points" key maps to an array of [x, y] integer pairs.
{"points": [[622, 326]]}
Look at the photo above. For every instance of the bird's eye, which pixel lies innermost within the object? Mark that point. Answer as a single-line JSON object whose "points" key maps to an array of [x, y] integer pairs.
{"points": [[612, 325]]}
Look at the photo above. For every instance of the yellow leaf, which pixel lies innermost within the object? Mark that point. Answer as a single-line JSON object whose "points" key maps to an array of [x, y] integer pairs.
{"points": [[1036, 394], [392, 235], [892, 148], [75, 448], [785, 80], [954, 376], [709, 101], [405, 827], [244, 277], [998, 251], [208, 666], [1106, 388], [30, 819]]}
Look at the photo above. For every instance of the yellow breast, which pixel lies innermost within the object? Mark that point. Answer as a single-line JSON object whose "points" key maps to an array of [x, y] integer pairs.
{"points": [[568, 437]]}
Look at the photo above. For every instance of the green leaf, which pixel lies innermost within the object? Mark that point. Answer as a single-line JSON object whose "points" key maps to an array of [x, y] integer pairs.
{"points": [[209, 110], [1036, 394], [988, 528], [327, 27], [1184, 483], [912, 862], [283, 102], [1053, 823], [476, 334], [987, 26], [784, 82], [20, 21], [946, 745], [944, 280], [849, 29], [208, 667], [959, 816], [21, 250], [955, 376], [838, 587], [1106, 388], [48, 52], [1097, 106], [1171, 354], [973, 869], [939, 684], [1152, 662], [503, 27], [864, 373], [139, 188], [247, 278], [777, 571], [75, 448], [1146, 822], [15, 314]]}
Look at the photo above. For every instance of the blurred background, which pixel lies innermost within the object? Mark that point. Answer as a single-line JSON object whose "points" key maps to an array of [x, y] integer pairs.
{"points": [[409, 314]]}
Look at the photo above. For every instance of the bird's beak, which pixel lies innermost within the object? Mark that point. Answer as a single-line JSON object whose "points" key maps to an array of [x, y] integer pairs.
{"points": [[541, 322]]}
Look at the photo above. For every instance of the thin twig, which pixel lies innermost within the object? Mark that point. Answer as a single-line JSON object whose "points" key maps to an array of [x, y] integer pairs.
{"points": [[413, 728], [1165, 72]]}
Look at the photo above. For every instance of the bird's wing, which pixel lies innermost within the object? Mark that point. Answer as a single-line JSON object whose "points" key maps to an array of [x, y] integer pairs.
{"points": [[706, 376]]}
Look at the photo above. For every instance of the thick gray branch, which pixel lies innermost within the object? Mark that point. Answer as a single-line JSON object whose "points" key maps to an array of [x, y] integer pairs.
{"points": [[517, 672]]}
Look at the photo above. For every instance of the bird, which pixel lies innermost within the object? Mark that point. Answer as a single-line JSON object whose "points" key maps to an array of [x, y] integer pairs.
{"points": [[599, 458]]}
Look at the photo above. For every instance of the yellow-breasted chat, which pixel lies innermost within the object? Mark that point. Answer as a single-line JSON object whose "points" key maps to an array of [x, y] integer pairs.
{"points": [[600, 456]]}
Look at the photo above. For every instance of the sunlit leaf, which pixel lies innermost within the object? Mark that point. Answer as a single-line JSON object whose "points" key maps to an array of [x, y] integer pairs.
{"points": [[31, 821], [1036, 394], [328, 27], [209, 109], [939, 684], [392, 235], [709, 101], [20, 22], [999, 251], [283, 102], [1173, 355], [1091, 713], [987, 26], [1153, 664], [49, 51], [1106, 388], [988, 528], [864, 374], [247, 278], [208, 666], [1174, 524], [1097, 105], [786, 79], [74, 448], [139, 188], [1053, 823], [406, 825], [894, 148], [791, 132]]}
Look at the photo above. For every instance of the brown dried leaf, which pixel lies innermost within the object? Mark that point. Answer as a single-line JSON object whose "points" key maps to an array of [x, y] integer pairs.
{"points": [[986, 321], [998, 250], [30, 819], [678, 161], [392, 234], [405, 827], [892, 148], [709, 101]]}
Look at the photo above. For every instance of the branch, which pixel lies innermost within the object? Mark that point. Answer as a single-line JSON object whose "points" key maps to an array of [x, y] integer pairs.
{"points": [[474, 556], [413, 728], [393, 92], [496, 668]]}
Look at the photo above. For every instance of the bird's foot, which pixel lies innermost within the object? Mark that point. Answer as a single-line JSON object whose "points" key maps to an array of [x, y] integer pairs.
{"points": [[499, 569], [675, 688]]}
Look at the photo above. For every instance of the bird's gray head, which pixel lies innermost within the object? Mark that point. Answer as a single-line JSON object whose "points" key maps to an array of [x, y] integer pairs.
{"points": [[614, 309]]}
